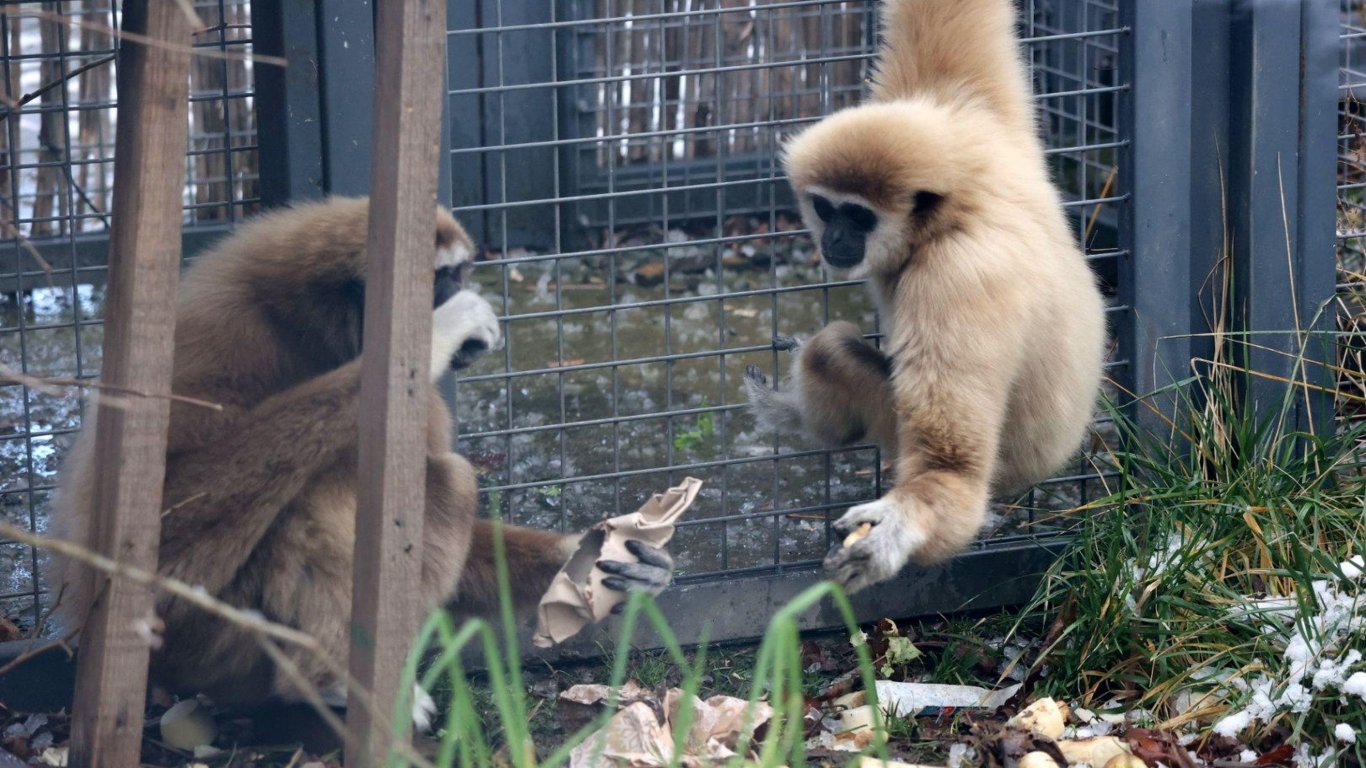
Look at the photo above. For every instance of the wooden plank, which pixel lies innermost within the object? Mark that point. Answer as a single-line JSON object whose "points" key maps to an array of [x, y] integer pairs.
{"points": [[130, 442], [391, 488]]}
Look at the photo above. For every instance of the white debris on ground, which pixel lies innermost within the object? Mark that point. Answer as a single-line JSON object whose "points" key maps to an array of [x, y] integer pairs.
{"points": [[1309, 645], [638, 737]]}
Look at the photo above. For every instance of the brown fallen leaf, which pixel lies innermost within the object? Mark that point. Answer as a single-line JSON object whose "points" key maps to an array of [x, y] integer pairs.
{"points": [[1153, 746]]}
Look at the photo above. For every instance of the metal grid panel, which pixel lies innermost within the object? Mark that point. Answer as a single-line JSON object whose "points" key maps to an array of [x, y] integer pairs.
{"points": [[641, 137], [57, 104], [1351, 211]]}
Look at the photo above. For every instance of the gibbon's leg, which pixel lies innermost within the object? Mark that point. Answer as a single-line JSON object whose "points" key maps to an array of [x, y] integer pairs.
{"points": [[951, 411], [839, 392], [222, 498], [534, 557]]}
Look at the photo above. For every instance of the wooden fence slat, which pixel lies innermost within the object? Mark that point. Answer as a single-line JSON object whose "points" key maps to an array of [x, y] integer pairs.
{"points": [[130, 442], [391, 489]]}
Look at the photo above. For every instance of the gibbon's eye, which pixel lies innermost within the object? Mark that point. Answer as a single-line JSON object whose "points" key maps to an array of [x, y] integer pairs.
{"points": [[823, 207], [861, 218], [448, 282], [926, 202]]}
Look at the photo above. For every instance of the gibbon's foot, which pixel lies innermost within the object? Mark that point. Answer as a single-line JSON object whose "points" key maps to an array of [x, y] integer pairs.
{"points": [[881, 554], [786, 343], [774, 410], [653, 572], [424, 707], [463, 327]]}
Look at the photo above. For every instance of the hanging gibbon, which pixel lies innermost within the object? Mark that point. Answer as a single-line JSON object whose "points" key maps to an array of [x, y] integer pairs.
{"points": [[260, 498], [937, 191]]}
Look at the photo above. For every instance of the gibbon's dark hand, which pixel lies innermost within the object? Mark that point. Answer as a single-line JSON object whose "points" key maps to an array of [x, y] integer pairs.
{"points": [[653, 572], [880, 555]]}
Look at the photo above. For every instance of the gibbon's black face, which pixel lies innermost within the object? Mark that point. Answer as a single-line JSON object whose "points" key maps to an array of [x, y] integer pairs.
{"points": [[846, 231], [449, 281]]}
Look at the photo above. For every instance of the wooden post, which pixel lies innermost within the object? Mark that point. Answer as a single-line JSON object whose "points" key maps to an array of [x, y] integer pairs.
{"points": [[130, 440], [391, 487]]}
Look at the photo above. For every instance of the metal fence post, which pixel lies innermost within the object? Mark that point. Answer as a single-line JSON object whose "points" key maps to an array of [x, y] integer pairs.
{"points": [[1156, 275], [288, 107], [1283, 83], [346, 59]]}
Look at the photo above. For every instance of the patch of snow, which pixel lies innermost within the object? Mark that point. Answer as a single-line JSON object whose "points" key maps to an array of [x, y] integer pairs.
{"points": [[1356, 684], [1247, 756], [1353, 567], [962, 756], [1232, 725], [1345, 733]]}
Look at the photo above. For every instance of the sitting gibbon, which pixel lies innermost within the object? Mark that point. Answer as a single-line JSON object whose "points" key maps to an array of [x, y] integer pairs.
{"points": [[260, 498], [937, 191]]}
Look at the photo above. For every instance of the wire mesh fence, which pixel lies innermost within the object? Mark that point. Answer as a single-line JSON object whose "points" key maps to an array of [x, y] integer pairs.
{"points": [[1351, 213], [625, 177], [58, 114]]}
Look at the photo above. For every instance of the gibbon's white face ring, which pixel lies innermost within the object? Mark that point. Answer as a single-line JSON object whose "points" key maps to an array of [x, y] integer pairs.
{"points": [[817, 227], [464, 318], [453, 255]]}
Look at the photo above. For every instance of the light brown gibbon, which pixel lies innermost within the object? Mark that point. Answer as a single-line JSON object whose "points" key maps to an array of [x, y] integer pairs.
{"points": [[937, 191], [260, 498]]}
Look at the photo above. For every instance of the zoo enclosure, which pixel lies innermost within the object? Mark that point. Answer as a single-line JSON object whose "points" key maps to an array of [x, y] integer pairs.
{"points": [[618, 160]]}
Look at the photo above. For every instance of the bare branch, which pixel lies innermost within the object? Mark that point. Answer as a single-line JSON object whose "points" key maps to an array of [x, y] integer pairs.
{"points": [[108, 394], [211, 53]]}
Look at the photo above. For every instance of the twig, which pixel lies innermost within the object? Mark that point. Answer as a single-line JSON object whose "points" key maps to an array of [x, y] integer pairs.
{"points": [[187, 8], [184, 503], [210, 53], [11, 231], [34, 650], [1095, 212], [116, 394], [260, 628], [45, 87]]}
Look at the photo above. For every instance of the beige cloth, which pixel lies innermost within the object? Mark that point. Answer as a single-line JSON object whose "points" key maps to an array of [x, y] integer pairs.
{"points": [[576, 596]]}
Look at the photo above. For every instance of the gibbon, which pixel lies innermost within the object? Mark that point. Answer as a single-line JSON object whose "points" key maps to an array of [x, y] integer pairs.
{"points": [[937, 191], [260, 498]]}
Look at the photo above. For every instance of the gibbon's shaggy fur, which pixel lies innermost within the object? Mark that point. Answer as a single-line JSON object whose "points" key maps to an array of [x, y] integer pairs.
{"points": [[937, 191], [260, 498]]}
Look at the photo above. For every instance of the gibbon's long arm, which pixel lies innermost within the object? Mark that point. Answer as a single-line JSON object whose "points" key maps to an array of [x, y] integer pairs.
{"points": [[221, 498], [534, 557], [950, 412], [951, 50]]}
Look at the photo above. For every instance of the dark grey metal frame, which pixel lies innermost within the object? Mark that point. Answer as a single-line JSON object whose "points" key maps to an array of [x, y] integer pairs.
{"points": [[1233, 100]]}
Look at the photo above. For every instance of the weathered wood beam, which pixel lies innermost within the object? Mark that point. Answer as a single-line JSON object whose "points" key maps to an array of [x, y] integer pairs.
{"points": [[130, 441], [391, 486]]}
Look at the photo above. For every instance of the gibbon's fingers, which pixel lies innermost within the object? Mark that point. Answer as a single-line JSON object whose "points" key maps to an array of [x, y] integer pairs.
{"points": [[225, 496], [652, 574], [656, 556], [786, 343], [775, 411], [881, 554], [462, 328]]}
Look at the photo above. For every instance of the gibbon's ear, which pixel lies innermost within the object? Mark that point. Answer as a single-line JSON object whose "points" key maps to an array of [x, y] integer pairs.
{"points": [[926, 203]]}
